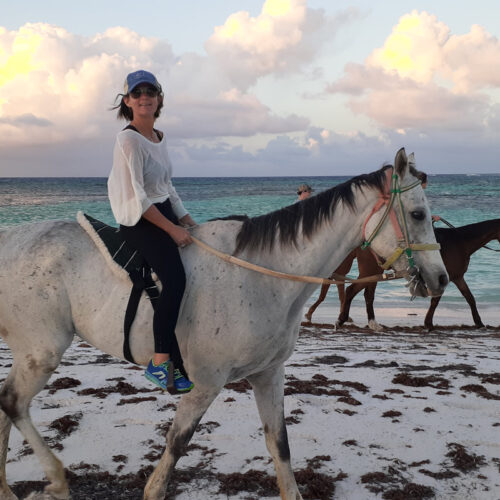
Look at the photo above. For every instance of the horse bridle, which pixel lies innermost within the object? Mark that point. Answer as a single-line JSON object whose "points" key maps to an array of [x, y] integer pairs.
{"points": [[388, 197]]}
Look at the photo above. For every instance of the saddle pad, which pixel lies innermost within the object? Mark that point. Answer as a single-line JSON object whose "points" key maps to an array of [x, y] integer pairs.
{"points": [[120, 257]]}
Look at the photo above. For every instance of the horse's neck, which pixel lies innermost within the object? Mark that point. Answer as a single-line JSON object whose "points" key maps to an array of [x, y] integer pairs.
{"points": [[327, 247], [484, 233]]}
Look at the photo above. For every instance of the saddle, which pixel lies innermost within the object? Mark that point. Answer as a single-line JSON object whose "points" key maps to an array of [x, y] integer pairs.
{"points": [[126, 263]]}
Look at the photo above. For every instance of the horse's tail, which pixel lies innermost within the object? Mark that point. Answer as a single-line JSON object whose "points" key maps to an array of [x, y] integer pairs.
{"points": [[2, 237]]}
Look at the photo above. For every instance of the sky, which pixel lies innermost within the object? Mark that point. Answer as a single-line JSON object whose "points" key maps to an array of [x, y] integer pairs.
{"points": [[254, 87]]}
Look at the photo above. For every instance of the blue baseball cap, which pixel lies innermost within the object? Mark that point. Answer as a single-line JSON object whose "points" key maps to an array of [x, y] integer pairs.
{"points": [[138, 77]]}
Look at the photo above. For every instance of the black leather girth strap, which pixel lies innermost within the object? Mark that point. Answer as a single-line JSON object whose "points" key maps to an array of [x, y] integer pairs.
{"points": [[141, 280]]}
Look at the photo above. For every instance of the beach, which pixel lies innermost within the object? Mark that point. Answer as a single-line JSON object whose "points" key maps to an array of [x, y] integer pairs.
{"points": [[396, 414]]}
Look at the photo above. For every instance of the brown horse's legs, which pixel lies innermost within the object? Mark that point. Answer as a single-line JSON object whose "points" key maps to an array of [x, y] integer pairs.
{"points": [[465, 291], [370, 312], [430, 313], [342, 269], [341, 291], [351, 291], [321, 298]]}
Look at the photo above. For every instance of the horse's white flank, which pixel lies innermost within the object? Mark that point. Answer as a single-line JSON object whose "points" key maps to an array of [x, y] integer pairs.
{"points": [[234, 323]]}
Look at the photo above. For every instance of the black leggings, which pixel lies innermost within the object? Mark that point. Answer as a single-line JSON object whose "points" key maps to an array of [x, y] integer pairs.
{"points": [[162, 254]]}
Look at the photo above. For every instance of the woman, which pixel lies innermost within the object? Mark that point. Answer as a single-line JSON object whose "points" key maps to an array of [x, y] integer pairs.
{"points": [[151, 215]]}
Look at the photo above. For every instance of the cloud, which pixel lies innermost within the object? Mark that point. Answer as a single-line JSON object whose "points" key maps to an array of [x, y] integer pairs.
{"points": [[67, 83], [28, 119], [425, 78], [231, 113], [285, 37], [471, 60]]}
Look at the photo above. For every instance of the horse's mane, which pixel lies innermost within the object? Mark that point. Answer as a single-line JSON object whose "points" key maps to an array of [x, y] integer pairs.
{"points": [[260, 232]]}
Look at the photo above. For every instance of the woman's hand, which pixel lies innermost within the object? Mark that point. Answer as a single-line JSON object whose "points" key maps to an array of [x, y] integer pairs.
{"points": [[187, 221], [180, 235]]}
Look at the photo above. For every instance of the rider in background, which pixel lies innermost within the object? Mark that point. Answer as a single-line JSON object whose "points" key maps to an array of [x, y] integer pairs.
{"points": [[304, 191], [151, 215]]}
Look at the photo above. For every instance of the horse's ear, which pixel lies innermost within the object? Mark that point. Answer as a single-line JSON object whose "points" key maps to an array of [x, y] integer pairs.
{"points": [[401, 163], [411, 160]]}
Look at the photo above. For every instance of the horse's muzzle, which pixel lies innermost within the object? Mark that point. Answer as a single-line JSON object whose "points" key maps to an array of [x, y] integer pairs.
{"points": [[443, 281]]}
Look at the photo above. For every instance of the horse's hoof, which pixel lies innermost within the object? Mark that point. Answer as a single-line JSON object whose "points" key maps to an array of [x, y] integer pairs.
{"points": [[59, 492], [373, 325], [39, 496]]}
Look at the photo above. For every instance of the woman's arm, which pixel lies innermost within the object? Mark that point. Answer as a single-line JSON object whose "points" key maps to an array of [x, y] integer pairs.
{"points": [[180, 235]]}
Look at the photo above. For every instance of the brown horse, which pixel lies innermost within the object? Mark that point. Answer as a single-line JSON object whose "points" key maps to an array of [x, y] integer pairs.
{"points": [[457, 246]]}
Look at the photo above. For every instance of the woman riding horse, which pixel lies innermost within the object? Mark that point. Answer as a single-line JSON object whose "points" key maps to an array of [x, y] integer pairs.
{"points": [[149, 211]]}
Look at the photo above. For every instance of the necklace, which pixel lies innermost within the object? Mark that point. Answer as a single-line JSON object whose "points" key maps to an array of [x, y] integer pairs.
{"points": [[152, 136]]}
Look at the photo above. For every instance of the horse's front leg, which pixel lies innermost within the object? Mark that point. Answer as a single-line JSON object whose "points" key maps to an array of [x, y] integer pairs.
{"points": [[465, 291], [268, 388], [190, 410], [351, 291], [428, 323], [370, 312]]}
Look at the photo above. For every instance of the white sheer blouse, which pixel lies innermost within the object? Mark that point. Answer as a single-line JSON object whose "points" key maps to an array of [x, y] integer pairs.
{"points": [[141, 176]]}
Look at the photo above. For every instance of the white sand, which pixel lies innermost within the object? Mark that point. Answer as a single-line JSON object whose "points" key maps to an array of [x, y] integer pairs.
{"points": [[428, 424]]}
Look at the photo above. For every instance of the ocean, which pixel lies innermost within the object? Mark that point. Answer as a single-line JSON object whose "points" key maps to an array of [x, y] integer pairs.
{"points": [[460, 199]]}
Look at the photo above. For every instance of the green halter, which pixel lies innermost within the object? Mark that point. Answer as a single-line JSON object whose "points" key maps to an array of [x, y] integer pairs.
{"points": [[391, 194]]}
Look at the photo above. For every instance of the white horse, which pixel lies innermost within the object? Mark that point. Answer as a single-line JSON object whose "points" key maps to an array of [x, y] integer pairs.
{"points": [[235, 323]]}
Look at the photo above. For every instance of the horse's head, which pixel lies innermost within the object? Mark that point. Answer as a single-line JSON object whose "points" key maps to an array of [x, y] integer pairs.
{"points": [[399, 230]]}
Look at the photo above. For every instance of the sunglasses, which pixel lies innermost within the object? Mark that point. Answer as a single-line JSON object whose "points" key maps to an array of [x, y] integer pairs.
{"points": [[149, 91]]}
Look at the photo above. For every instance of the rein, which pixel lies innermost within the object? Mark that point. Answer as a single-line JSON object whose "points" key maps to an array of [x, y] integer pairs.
{"points": [[295, 277], [391, 195]]}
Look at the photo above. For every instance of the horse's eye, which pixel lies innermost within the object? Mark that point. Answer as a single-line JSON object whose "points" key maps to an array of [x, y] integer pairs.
{"points": [[418, 215]]}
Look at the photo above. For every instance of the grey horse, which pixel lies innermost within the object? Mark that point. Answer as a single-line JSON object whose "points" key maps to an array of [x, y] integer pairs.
{"points": [[235, 323]]}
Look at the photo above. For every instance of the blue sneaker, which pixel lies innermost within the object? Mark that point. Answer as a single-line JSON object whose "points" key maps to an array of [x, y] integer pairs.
{"points": [[181, 383], [160, 374], [167, 378]]}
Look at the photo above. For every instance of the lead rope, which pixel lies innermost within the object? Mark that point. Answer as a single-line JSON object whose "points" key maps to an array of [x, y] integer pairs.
{"points": [[295, 277]]}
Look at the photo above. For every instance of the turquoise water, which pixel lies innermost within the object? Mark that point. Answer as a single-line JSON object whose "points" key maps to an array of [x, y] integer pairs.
{"points": [[460, 199]]}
